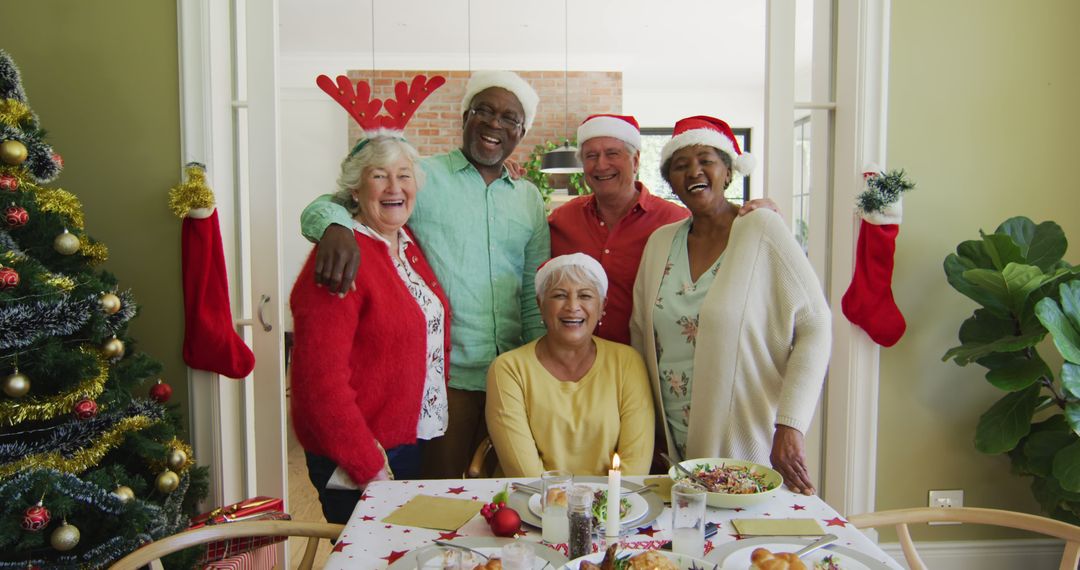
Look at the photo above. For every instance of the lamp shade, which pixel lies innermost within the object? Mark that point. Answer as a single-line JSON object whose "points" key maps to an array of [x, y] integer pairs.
{"points": [[562, 160]]}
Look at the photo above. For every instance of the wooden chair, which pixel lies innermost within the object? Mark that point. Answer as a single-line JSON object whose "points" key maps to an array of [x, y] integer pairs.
{"points": [[901, 518], [151, 553], [483, 462]]}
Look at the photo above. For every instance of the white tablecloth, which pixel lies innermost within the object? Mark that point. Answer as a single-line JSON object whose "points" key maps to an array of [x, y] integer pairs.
{"points": [[367, 542]]}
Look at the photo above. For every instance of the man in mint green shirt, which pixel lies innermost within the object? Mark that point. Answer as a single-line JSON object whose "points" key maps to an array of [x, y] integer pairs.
{"points": [[483, 233]]}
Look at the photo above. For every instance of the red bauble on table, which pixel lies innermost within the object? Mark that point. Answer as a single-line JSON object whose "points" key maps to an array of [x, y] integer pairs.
{"points": [[85, 409], [36, 518], [16, 216], [503, 520], [9, 278], [9, 182], [161, 392]]}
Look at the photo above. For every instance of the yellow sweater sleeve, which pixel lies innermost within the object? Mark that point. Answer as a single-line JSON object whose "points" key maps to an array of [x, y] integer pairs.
{"points": [[507, 415], [636, 416]]}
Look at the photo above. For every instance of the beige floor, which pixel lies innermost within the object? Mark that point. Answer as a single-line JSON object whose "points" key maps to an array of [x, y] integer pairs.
{"points": [[303, 504]]}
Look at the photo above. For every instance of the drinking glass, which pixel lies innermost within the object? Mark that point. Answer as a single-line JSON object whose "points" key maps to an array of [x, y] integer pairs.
{"points": [[688, 520], [555, 525], [438, 558], [518, 556]]}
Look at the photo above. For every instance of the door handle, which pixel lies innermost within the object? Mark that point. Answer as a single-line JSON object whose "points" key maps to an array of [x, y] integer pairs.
{"points": [[259, 312]]}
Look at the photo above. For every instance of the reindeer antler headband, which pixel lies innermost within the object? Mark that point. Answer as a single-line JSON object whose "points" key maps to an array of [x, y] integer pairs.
{"points": [[365, 110]]}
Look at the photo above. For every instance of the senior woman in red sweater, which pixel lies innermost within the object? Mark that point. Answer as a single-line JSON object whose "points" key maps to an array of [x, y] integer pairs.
{"points": [[369, 370]]}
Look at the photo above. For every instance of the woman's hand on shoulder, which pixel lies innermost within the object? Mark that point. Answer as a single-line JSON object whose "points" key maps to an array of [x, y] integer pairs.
{"points": [[789, 458], [756, 203]]}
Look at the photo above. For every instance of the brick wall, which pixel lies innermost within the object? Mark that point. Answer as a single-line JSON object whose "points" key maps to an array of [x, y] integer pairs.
{"points": [[436, 126]]}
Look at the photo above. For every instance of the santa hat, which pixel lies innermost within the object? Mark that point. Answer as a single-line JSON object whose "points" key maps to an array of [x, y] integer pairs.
{"points": [[708, 131], [508, 80], [591, 266], [622, 127]]}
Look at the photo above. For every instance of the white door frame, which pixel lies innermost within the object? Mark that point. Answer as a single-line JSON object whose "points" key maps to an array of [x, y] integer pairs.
{"points": [[225, 425], [228, 50]]}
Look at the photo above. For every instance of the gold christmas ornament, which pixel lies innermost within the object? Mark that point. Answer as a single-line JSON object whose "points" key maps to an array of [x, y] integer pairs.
{"points": [[124, 493], [113, 348], [167, 481], [66, 243], [13, 412], [177, 459], [16, 385], [110, 303], [65, 537], [13, 152]]}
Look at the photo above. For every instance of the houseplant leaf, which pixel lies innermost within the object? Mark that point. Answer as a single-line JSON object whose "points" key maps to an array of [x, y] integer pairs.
{"points": [[1011, 286], [1070, 379], [1070, 303], [1008, 420], [1002, 250], [1040, 449], [1072, 415], [1066, 338], [970, 352], [1015, 371], [1067, 467], [1043, 245], [955, 267]]}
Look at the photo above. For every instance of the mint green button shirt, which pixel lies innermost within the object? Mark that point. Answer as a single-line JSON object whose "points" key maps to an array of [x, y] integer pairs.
{"points": [[484, 243]]}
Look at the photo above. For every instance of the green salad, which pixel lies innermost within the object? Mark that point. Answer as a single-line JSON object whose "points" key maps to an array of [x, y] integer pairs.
{"points": [[599, 506]]}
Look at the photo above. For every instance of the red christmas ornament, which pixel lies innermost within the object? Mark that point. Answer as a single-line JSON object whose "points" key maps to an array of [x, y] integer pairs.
{"points": [[59, 160], [16, 216], [9, 182], [85, 409], [9, 278], [505, 522], [36, 518], [161, 392]]}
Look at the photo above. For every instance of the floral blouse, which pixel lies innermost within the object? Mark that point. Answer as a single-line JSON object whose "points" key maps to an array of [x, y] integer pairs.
{"points": [[675, 326], [434, 411]]}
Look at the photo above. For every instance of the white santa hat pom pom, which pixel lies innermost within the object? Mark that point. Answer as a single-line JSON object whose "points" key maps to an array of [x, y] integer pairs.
{"points": [[745, 163]]}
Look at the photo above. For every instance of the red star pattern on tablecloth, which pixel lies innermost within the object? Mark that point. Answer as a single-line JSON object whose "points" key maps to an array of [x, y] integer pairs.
{"points": [[647, 530], [449, 535], [798, 508], [738, 509], [475, 498], [456, 490], [340, 546], [367, 518], [394, 555], [836, 521], [736, 536], [365, 496]]}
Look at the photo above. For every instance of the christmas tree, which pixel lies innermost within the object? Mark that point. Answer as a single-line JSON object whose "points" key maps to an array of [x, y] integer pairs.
{"points": [[89, 469]]}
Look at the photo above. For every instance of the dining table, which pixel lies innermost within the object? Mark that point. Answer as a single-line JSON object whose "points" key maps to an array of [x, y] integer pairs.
{"points": [[368, 542]]}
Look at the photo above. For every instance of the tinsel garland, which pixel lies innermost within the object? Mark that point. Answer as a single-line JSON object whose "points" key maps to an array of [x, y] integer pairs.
{"points": [[883, 190], [165, 520], [14, 112], [96, 253], [8, 245], [61, 282], [70, 438], [58, 201], [192, 193], [22, 324], [84, 459], [13, 412]]}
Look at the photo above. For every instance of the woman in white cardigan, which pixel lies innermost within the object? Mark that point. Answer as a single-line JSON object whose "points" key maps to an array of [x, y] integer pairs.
{"points": [[742, 290]]}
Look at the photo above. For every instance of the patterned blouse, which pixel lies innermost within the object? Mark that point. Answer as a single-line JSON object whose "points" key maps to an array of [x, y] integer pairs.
{"points": [[434, 411], [675, 326]]}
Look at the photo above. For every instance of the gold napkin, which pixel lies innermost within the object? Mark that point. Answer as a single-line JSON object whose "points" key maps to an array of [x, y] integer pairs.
{"points": [[778, 527], [663, 487], [439, 513]]}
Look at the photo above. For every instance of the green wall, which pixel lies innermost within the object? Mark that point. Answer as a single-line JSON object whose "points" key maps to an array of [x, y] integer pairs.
{"points": [[983, 114], [103, 78]]}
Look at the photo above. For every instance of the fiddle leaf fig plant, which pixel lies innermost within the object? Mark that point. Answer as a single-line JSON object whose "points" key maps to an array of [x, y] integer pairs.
{"points": [[1026, 291], [575, 182]]}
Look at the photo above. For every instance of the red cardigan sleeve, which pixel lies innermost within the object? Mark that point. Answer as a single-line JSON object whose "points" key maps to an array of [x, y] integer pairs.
{"points": [[326, 416]]}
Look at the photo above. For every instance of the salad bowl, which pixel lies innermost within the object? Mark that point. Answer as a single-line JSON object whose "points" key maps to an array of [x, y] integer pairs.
{"points": [[733, 483]]}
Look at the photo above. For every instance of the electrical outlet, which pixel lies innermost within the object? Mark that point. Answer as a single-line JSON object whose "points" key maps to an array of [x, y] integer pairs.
{"points": [[948, 499]]}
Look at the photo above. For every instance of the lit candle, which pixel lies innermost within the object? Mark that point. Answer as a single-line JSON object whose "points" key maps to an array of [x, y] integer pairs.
{"points": [[614, 496]]}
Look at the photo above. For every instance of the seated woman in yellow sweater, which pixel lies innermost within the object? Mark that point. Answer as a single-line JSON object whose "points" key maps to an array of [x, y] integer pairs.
{"points": [[569, 400]]}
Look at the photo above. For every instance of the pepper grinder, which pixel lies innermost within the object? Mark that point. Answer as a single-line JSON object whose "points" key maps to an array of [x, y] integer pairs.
{"points": [[581, 521]]}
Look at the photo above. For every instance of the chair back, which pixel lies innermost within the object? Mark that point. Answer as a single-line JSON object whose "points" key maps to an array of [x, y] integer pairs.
{"points": [[901, 518], [150, 553]]}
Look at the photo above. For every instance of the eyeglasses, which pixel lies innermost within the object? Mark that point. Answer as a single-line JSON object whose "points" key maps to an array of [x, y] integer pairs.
{"points": [[489, 116]]}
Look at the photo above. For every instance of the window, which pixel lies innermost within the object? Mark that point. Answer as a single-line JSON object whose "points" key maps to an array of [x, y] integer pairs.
{"points": [[652, 142]]}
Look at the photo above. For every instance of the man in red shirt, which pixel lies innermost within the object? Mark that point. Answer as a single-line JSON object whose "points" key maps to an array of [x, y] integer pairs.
{"points": [[613, 223]]}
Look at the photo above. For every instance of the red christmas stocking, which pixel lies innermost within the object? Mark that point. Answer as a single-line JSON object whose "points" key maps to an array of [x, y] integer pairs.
{"points": [[868, 301], [210, 339]]}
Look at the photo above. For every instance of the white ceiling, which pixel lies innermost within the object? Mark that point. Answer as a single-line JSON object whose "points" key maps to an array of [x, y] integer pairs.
{"points": [[701, 43]]}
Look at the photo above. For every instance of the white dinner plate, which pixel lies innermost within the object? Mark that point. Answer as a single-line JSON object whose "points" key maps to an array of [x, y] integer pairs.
{"points": [[736, 555], [638, 506], [682, 561], [489, 546], [519, 501]]}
